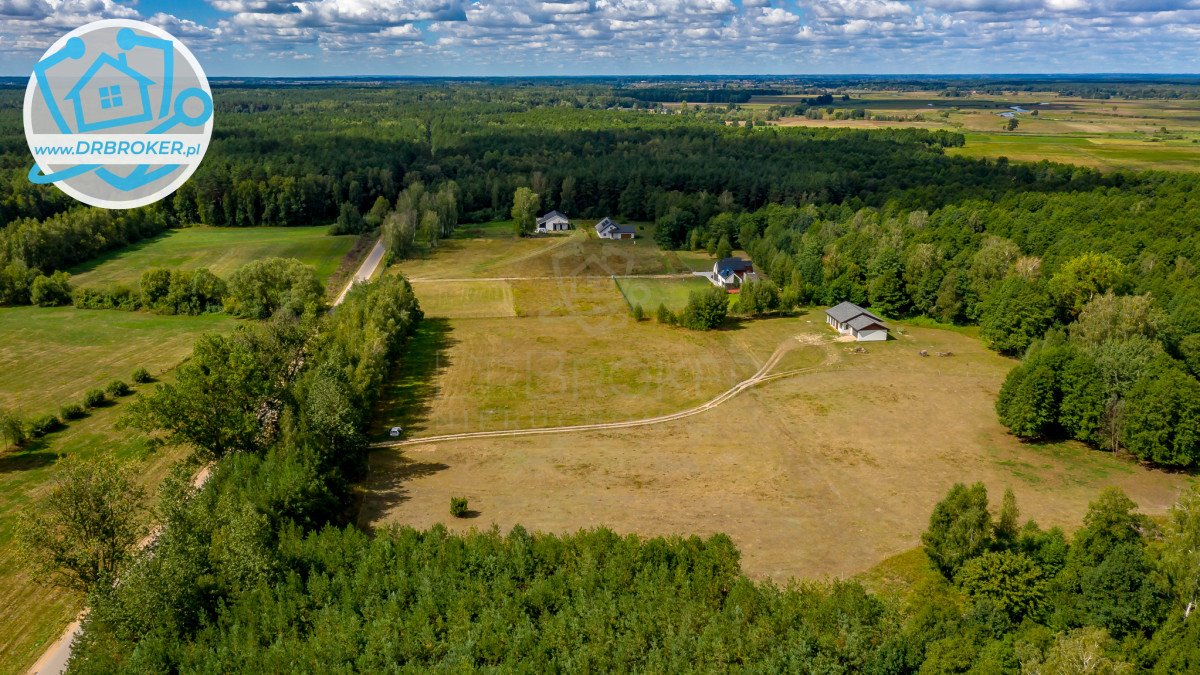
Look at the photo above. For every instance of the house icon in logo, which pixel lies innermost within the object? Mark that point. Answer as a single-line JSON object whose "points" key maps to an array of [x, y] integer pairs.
{"points": [[120, 96]]}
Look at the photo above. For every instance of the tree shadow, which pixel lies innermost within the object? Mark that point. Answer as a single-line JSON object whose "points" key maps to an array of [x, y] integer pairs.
{"points": [[26, 459], [407, 396], [386, 486]]}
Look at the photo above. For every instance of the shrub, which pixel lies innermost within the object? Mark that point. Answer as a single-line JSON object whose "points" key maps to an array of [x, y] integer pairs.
{"points": [[12, 430], [51, 291], [665, 316], [458, 507], [705, 309], [638, 313], [94, 398], [44, 424], [117, 389], [142, 376], [72, 411]]}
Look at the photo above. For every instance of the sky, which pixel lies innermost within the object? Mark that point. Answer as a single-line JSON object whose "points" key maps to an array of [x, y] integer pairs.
{"points": [[639, 37]]}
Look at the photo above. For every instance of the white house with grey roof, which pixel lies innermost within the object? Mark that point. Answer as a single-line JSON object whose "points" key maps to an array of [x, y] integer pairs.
{"points": [[611, 229], [850, 319], [729, 273], [553, 222]]}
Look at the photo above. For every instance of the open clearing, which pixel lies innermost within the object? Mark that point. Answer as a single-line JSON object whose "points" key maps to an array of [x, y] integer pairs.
{"points": [[51, 356], [1104, 134], [828, 472], [825, 473], [222, 250]]}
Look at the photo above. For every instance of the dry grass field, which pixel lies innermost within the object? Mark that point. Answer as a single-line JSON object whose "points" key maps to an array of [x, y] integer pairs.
{"points": [[828, 472], [825, 473]]}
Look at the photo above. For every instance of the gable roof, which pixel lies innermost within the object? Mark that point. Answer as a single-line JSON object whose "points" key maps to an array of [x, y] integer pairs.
{"points": [[846, 311], [551, 216], [863, 321], [734, 264]]}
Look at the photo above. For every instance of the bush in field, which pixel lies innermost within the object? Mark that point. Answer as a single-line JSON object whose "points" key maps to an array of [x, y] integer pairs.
{"points": [[458, 507], [51, 291], [44, 424], [117, 389], [705, 309], [637, 313], [665, 316], [72, 411], [12, 430], [94, 398], [142, 376]]}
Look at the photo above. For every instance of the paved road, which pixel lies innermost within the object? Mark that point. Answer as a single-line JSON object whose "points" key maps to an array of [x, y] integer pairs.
{"points": [[54, 659], [365, 271], [763, 375]]}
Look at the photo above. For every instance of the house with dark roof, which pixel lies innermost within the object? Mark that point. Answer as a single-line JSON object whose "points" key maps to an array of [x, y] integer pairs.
{"points": [[553, 222], [610, 229], [730, 273], [848, 318]]}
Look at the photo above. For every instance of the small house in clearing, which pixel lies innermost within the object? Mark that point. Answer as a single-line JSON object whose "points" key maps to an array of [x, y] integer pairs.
{"points": [[553, 222], [850, 319], [729, 273], [610, 229]]}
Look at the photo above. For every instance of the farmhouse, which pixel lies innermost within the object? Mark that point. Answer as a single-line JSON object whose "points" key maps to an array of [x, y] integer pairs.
{"points": [[553, 222], [609, 229], [850, 319], [731, 272]]}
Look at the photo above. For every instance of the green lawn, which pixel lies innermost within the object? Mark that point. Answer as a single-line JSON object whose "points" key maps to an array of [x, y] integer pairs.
{"points": [[51, 356], [650, 293], [221, 249]]}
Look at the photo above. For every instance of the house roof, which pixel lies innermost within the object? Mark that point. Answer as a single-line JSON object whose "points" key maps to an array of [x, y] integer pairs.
{"points": [[605, 224], [846, 311], [550, 216], [863, 321], [734, 264]]}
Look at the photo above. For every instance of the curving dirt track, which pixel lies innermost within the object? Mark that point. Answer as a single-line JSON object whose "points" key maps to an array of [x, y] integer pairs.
{"points": [[762, 375]]}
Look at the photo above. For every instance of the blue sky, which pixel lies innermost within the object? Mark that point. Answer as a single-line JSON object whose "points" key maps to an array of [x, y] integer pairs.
{"points": [[635, 37]]}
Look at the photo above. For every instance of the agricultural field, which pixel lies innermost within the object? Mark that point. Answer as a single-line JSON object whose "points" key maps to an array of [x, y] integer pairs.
{"points": [[846, 452], [52, 355], [490, 251], [221, 250], [1104, 134], [49, 357]]}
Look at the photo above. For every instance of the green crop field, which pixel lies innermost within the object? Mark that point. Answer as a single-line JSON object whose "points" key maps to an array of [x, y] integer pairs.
{"points": [[221, 250]]}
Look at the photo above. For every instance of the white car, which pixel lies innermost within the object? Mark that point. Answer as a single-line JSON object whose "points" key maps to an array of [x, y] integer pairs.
{"points": [[396, 431]]}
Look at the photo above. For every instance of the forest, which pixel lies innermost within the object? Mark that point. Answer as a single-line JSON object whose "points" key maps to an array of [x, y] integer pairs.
{"points": [[1088, 278]]}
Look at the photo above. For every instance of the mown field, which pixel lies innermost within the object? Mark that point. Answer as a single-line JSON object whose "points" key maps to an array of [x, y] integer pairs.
{"points": [[48, 357], [829, 471], [1112, 134], [221, 250]]}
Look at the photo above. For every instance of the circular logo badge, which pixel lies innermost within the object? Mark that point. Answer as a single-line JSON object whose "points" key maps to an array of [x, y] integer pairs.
{"points": [[118, 114]]}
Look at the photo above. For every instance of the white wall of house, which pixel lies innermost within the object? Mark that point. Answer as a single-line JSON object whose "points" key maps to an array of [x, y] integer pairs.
{"points": [[870, 335]]}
